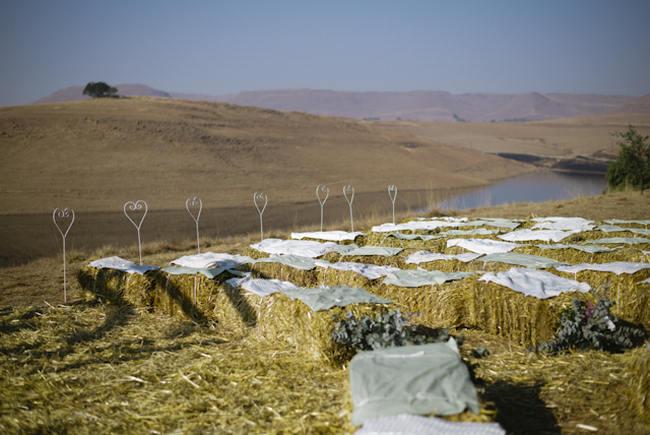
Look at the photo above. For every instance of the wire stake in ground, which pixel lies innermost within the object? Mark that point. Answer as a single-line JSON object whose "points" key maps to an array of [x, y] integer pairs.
{"points": [[133, 206], [194, 207], [65, 215], [348, 193], [392, 194], [322, 192], [259, 199]]}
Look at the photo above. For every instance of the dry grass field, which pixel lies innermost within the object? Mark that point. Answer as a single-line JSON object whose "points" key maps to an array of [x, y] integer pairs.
{"points": [[89, 367]]}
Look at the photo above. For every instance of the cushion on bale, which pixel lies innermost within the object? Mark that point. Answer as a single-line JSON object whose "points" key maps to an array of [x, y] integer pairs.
{"points": [[475, 232], [617, 267], [525, 260], [420, 277], [427, 256], [383, 251], [121, 264], [406, 424], [482, 246], [426, 379], [544, 235], [332, 236], [303, 248], [591, 249], [295, 261], [402, 236], [210, 273], [262, 287], [535, 283], [617, 229], [212, 259], [563, 223], [620, 240], [370, 271], [324, 298]]}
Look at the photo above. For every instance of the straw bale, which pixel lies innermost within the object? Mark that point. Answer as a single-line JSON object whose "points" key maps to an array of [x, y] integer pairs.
{"points": [[638, 366], [118, 287], [632, 298], [382, 239], [302, 278]]}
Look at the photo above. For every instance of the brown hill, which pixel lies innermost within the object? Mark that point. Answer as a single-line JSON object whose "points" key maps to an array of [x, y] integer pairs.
{"points": [[435, 106], [638, 105], [95, 154], [75, 93]]}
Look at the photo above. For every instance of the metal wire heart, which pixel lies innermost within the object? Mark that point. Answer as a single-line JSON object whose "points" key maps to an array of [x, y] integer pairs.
{"points": [[133, 206], [258, 197], [321, 189], [64, 214], [392, 192], [194, 207], [348, 190]]}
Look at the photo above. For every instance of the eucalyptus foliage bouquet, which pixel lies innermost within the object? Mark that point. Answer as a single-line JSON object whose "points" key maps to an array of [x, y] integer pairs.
{"points": [[592, 326], [384, 330]]}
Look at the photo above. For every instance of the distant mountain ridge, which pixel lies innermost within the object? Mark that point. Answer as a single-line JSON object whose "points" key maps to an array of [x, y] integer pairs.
{"points": [[438, 106]]}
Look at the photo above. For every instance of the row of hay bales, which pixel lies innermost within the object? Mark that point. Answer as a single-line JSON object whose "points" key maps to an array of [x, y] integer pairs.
{"points": [[468, 302], [275, 317]]}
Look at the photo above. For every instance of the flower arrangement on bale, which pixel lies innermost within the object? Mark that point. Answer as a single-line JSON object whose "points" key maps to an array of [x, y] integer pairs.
{"points": [[383, 330], [592, 326]]}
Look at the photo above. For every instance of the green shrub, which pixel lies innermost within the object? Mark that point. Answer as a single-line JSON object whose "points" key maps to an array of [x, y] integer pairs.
{"points": [[632, 167], [588, 326], [388, 330], [99, 90]]}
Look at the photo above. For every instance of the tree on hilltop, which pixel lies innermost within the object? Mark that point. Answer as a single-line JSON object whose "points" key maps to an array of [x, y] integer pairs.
{"points": [[99, 90], [632, 167]]}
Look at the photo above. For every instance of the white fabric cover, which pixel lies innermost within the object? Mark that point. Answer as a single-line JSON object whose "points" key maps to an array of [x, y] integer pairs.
{"points": [[475, 232], [406, 424], [617, 229], [261, 287], [563, 223], [421, 277], [633, 221], [537, 283], [544, 235], [403, 236], [304, 248], [118, 263], [592, 249], [332, 236], [428, 256], [482, 246], [619, 240], [370, 271], [525, 260], [295, 261], [423, 225], [209, 272], [424, 379], [212, 259], [382, 251], [646, 281], [617, 267]]}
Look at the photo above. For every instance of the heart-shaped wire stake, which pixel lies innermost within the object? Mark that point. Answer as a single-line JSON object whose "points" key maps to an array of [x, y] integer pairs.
{"points": [[133, 206], [322, 193], [258, 199], [64, 214], [194, 207], [392, 194], [348, 193]]}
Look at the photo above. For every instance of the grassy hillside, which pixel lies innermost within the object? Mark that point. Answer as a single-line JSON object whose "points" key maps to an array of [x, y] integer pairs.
{"points": [[95, 154]]}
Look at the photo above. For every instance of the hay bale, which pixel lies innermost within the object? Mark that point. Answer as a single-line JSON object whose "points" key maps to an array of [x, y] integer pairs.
{"points": [[638, 368], [632, 299], [119, 287]]}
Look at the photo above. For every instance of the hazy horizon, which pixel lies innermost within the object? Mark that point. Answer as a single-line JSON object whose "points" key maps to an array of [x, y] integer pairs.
{"points": [[216, 48]]}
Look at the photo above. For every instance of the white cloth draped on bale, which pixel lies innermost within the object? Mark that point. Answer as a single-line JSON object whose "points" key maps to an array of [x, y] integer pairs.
{"points": [[482, 246], [407, 424], [370, 271], [117, 263], [563, 223], [303, 248], [427, 256], [617, 267], [543, 235], [212, 259], [331, 236], [537, 283]]}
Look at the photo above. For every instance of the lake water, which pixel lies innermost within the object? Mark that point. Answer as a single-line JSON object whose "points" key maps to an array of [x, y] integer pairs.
{"points": [[535, 187]]}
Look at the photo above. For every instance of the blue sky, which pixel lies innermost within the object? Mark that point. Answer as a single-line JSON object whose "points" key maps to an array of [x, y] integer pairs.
{"points": [[216, 47]]}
